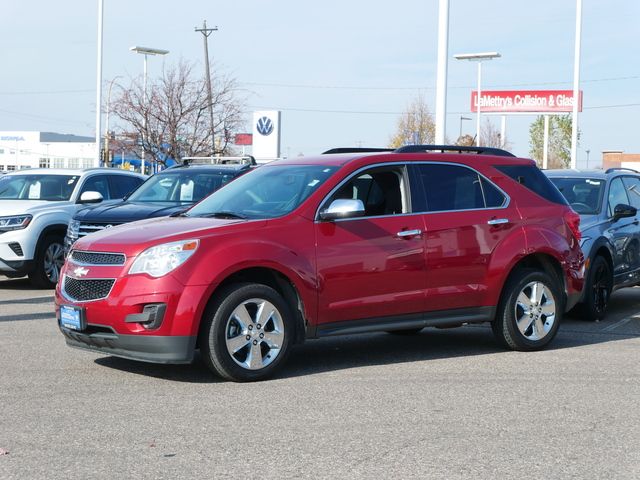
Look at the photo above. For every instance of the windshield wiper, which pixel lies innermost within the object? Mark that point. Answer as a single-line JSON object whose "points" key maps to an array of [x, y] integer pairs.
{"points": [[223, 214], [180, 213]]}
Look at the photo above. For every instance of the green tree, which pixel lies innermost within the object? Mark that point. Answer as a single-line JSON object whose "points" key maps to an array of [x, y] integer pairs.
{"points": [[415, 126], [559, 140]]}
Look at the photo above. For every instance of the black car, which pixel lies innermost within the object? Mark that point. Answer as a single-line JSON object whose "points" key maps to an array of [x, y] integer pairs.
{"points": [[608, 203], [168, 192]]}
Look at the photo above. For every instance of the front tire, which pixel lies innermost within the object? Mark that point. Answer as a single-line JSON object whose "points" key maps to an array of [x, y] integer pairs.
{"points": [[247, 332], [597, 290], [530, 311], [49, 259]]}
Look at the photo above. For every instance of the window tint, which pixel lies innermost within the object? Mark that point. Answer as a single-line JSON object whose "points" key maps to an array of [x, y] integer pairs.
{"points": [[583, 194], [617, 195], [452, 187], [97, 183], [122, 185], [380, 190], [632, 184], [532, 178]]}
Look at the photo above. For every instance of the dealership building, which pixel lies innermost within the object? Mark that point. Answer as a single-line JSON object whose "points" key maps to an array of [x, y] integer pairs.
{"points": [[20, 150]]}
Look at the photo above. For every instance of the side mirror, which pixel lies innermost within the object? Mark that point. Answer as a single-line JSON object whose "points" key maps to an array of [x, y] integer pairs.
{"points": [[343, 208], [624, 211], [91, 197]]}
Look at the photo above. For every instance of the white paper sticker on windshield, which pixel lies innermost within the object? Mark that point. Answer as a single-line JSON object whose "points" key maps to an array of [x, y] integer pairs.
{"points": [[313, 183], [186, 191], [593, 182], [34, 191]]}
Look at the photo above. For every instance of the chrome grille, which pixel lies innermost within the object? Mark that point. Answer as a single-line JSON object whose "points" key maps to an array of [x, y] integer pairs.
{"points": [[87, 228], [87, 289], [97, 258]]}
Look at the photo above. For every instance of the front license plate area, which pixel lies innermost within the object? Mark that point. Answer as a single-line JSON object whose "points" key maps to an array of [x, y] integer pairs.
{"points": [[72, 317]]}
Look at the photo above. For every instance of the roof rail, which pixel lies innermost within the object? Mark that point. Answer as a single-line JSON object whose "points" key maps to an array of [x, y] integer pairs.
{"points": [[454, 148], [243, 160], [356, 150], [615, 169]]}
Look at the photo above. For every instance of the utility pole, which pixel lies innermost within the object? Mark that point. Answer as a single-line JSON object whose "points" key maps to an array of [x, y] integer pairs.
{"points": [[205, 33]]}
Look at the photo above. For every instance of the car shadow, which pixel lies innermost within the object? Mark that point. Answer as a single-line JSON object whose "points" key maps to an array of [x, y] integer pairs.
{"points": [[355, 351]]}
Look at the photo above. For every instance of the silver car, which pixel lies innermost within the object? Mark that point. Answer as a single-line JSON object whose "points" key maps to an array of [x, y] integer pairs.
{"points": [[608, 203]]}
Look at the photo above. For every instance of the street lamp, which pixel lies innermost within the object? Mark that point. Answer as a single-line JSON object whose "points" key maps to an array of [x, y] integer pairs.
{"points": [[146, 51], [462, 117], [478, 57], [106, 128]]}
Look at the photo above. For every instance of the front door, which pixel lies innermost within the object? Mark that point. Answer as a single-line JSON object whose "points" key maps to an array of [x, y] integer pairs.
{"points": [[373, 266]]}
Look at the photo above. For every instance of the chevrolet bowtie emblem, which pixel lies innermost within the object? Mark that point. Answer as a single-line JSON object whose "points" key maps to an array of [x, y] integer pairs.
{"points": [[80, 271]]}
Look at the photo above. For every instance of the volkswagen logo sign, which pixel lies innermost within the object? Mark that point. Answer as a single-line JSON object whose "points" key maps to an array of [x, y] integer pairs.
{"points": [[264, 126]]}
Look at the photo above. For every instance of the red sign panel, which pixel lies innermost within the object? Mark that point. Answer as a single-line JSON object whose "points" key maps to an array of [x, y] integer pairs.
{"points": [[244, 139], [525, 101]]}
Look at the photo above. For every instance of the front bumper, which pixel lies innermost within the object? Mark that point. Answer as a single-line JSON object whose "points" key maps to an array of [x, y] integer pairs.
{"points": [[146, 348]]}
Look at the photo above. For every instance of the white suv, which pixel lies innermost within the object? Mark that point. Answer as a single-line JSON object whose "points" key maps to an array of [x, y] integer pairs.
{"points": [[35, 209]]}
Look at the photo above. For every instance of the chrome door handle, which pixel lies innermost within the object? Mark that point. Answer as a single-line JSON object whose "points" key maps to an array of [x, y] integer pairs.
{"points": [[409, 233], [498, 221]]}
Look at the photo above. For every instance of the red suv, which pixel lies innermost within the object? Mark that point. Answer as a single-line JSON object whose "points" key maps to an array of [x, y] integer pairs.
{"points": [[336, 244]]}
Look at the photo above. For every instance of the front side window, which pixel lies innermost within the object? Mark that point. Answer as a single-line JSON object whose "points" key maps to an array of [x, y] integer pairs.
{"points": [[267, 192], [381, 191], [632, 184], [37, 187], [122, 185], [97, 183], [453, 187], [617, 195]]}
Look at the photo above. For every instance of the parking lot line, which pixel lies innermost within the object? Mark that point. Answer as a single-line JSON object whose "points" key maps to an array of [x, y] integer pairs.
{"points": [[620, 323]]}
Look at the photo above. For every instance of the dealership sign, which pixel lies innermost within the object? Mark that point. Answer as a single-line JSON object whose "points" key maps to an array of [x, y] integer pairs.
{"points": [[266, 135], [525, 101]]}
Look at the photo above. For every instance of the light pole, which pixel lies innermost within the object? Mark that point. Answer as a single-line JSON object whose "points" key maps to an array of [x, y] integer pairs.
{"points": [[576, 86], [146, 51], [106, 126], [205, 33], [478, 57], [462, 117], [588, 152], [99, 80]]}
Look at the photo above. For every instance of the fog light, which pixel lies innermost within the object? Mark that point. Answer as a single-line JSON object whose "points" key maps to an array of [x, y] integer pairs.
{"points": [[151, 316]]}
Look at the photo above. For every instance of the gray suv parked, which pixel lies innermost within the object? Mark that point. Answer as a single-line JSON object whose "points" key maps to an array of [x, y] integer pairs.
{"points": [[608, 203]]}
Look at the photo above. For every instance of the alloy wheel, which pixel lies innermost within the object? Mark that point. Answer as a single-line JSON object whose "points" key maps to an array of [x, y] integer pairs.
{"points": [[535, 311]]}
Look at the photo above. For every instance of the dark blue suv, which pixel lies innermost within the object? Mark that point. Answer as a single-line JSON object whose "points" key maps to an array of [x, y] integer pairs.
{"points": [[168, 192], [607, 202]]}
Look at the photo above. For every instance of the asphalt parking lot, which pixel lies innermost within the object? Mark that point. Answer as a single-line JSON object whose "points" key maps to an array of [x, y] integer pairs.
{"points": [[441, 404]]}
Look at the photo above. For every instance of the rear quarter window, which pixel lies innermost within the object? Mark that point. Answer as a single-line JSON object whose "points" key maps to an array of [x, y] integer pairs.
{"points": [[533, 179]]}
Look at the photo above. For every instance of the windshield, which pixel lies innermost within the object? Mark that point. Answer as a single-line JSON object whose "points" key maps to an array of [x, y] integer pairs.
{"points": [[180, 186], [583, 194], [267, 192], [37, 187]]}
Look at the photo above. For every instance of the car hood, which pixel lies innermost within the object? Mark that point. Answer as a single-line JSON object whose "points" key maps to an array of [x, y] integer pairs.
{"points": [[19, 207], [123, 212], [132, 238]]}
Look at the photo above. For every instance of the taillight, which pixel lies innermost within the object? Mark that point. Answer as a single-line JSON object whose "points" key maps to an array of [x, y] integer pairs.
{"points": [[572, 219]]}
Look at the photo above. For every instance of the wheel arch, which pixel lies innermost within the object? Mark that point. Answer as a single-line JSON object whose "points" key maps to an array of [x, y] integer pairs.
{"points": [[270, 277]]}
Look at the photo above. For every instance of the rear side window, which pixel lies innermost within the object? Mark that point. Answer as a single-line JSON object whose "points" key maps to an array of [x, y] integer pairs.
{"points": [[532, 178], [452, 187]]}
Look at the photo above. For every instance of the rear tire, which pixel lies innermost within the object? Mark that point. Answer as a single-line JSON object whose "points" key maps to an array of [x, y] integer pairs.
{"points": [[530, 311], [49, 259], [247, 332]]}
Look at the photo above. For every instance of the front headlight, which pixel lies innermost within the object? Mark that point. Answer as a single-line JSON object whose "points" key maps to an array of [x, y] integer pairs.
{"points": [[73, 229], [15, 222], [162, 259]]}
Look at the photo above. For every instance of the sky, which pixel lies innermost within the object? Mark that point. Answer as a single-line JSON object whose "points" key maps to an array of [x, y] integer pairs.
{"points": [[341, 72]]}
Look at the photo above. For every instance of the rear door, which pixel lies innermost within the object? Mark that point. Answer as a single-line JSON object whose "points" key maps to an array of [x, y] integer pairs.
{"points": [[372, 266], [466, 217]]}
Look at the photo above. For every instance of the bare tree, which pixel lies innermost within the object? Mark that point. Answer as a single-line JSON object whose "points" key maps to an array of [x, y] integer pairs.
{"points": [[491, 136], [415, 126], [173, 121]]}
